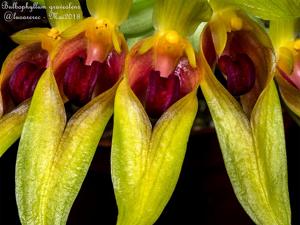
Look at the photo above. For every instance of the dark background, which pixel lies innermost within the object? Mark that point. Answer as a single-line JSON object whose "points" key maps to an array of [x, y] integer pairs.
{"points": [[203, 194]]}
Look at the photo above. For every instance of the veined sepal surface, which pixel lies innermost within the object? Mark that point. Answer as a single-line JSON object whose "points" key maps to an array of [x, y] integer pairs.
{"points": [[146, 161], [253, 149], [54, 157]]}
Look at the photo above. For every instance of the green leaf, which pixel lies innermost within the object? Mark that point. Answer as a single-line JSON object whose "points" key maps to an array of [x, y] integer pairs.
{"points": [[11, 125], [266, 9], [251, 151], [114, 10], [39, 140], [74, 155], [139, 20], [181, 15], [146, 164], [63, 13]]}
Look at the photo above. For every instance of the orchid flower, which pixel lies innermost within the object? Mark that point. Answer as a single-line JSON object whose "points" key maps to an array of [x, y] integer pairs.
{"points": [[246, 111], [22, 69], [54, 155], [160, 82]]}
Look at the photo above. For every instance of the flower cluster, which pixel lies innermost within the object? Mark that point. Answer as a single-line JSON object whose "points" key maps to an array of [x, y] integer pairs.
{"points": [[147, 74]]}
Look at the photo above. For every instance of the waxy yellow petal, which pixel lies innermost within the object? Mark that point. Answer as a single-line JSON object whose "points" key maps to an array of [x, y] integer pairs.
{"points": [[30, 35], [219, 35]]}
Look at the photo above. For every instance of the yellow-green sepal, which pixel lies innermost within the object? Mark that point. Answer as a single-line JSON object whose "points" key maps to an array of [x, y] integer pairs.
{"points": [[146, 162], [266, 9], [268, 131], [52, 164], [180, 15], [253, 149], [11, 125], [63, 13], [116, 11], [40, 137], [74, 155]]}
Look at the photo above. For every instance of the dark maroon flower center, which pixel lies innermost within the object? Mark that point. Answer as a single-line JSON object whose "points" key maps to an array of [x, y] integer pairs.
{"points": [[23, 80], [81, 81], [161, 93], [158, 93], [240, 73], [235, 64]]}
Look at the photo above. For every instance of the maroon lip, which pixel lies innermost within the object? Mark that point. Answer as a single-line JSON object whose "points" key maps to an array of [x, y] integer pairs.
{"points": [[156, 92], [240, 73], [21, 74], [80, 82], [24, 80], [235, 64], [161, 93]]}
